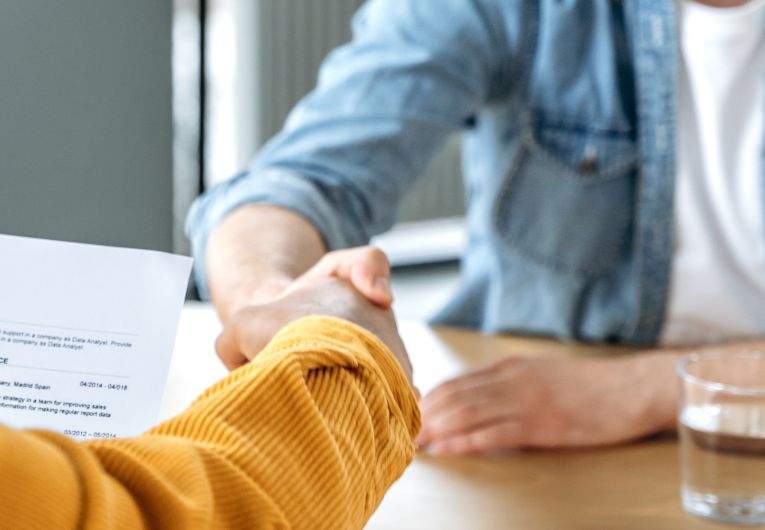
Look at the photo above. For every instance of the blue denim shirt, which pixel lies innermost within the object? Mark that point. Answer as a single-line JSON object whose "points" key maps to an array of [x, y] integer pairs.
{"points": [[567, 108]]}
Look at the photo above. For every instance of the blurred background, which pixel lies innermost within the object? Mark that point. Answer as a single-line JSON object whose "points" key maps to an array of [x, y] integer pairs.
{"points": [[116, 115]]}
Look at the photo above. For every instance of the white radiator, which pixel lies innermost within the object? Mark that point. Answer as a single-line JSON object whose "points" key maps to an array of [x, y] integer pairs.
{"points": [[279, 47]]}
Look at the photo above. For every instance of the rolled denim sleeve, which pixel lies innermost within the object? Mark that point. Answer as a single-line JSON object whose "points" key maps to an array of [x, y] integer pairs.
{"points": [[414, 72]]}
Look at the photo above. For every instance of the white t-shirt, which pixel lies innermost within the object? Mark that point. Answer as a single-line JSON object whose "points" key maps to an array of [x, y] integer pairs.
{"points": [[718, 267]]}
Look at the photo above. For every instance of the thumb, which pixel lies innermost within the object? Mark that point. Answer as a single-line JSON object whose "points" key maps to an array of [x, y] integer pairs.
{"points": [[366, 268]]}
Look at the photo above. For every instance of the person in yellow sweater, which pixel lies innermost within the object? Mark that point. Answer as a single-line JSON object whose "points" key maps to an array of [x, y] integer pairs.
{"points": [[308, 435]]}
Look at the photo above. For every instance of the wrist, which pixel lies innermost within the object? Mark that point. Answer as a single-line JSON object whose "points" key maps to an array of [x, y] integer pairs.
{"points": [[658, 394]]}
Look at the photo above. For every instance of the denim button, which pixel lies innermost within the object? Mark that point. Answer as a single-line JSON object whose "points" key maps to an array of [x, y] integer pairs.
{"points": [[589, 163]]}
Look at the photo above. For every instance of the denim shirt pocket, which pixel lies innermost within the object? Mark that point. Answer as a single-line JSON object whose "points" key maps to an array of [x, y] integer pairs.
{"points": [[567, 201]]}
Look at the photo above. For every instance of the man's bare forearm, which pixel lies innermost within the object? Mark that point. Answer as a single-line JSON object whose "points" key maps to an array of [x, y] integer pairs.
{"points": [[652, 400], [255, 253], [655, 372]]}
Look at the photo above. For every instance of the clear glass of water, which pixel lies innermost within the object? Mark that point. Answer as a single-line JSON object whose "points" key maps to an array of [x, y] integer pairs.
{"points": [[722, 435]]}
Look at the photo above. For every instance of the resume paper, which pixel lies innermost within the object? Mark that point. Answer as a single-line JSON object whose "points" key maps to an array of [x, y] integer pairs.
{"points": [[86, 335]]}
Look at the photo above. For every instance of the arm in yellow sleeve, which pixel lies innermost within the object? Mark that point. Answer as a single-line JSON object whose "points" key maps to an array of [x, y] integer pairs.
{"points": [[309, 435]]}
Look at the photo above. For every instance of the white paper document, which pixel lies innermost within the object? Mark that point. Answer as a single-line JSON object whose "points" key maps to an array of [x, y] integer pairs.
{"points": [[86, 335]]}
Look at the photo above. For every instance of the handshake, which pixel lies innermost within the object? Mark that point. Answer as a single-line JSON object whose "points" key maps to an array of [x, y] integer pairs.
{"points": [[350, 284], [510, 404]]}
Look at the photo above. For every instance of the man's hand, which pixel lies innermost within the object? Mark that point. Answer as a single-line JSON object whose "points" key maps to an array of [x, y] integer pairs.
{"points": [[256, 254], [547, 403], [366, 268], [323, 290]]}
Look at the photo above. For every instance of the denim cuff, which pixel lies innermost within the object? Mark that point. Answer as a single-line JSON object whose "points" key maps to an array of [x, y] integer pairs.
{"points": [[269, 186]]}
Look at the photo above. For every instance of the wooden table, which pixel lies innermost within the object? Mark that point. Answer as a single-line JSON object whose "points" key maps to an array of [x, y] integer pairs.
{"points": [[630, 487]]}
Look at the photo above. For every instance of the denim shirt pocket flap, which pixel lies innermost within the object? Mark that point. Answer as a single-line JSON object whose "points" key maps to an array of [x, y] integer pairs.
{"points": [[567, 201]]}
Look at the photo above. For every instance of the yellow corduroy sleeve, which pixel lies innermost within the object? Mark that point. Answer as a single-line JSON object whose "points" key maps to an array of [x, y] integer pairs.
{"points": [[309, 435]]}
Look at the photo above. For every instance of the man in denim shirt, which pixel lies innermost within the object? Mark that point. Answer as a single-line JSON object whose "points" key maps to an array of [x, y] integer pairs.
{"points": [[577, 143]]}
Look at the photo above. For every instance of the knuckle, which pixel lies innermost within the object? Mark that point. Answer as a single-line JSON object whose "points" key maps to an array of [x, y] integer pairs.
{"points": [[534, 389], [236, 326], [225, 354], [336, 283], [235, 333], [220, 347], [375, 254], [466, 413], [329, 261], [486, 438], [477, 441], [447, 392]]}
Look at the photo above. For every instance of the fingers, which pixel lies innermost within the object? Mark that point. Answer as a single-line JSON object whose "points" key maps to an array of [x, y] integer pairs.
{"points": [[458, 390], [496, 437], [227, 348], [462, 418], [461, 405], [478, 402], [243, 338], [367, 268]]}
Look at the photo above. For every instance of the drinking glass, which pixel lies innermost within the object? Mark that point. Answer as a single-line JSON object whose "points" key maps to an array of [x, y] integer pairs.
{"points": [[722, 435]]}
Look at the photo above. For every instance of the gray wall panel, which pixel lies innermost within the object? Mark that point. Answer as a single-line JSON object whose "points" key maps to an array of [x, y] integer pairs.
{"points": [[86, 121]]}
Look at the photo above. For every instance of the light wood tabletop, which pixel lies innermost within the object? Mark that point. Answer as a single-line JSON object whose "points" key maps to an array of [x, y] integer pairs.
{"points": [[635, 486]]}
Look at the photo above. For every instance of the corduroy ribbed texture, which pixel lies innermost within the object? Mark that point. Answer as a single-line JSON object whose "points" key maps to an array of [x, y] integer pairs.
{"points": [[309, 435]]}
